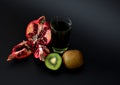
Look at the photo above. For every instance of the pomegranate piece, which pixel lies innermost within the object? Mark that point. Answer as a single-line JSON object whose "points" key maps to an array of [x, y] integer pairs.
{"points": [[39, 29], [21, 50], [41, 52]]}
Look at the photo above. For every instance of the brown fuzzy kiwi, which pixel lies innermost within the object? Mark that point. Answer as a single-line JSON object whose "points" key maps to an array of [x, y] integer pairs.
{"points": [[73, 59]]}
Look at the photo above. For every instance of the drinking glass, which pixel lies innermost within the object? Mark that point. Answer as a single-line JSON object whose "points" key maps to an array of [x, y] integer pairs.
{"points": [[61, 28]]}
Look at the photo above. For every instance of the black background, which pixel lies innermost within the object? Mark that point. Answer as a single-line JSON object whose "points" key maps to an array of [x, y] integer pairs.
{"points": [[95, 31]]}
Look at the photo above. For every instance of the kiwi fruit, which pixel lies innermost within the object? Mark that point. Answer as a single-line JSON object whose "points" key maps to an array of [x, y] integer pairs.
{"points": [[53, 61], [72, 59]]}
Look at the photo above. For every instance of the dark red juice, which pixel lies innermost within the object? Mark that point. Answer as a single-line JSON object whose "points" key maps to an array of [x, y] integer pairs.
{"points": [[60, 34]]}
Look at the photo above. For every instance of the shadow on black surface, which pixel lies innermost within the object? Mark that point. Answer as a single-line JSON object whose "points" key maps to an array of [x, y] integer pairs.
{"points": [[41, 66], [17, 62], [61, 70]]}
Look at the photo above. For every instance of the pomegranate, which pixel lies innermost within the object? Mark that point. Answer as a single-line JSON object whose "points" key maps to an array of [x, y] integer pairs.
{"points": [[38, 34], [39, 29], [41, 52], [19, 51]]}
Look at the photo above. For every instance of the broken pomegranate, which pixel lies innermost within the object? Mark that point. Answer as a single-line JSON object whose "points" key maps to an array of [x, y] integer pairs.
{"points": [[41, 52], [39, 29], [21, 50], [38, 34]]}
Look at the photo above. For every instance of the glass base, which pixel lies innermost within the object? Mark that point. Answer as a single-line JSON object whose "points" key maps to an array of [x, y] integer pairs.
{"points": [[59, 50]]}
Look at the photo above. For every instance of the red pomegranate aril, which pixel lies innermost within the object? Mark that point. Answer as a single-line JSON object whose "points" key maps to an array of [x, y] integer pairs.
{"points": [[35, 28], [45, 40], [46, 28], [42, 42], [42, 33], [30, 35], [35, 25]]}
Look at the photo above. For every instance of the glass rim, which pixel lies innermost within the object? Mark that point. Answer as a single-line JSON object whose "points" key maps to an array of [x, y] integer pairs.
{"points": [[63, 18]]}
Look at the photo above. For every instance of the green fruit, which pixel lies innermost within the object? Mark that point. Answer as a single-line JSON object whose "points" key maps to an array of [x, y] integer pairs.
{"points": [[53, 61], [73, 59]]}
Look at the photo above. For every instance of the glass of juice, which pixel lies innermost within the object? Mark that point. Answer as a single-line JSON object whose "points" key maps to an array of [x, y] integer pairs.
{"points": [[61, 28]]}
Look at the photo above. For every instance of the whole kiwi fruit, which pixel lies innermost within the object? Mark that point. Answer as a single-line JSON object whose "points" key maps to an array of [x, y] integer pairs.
{"points": [[72, 59]]}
